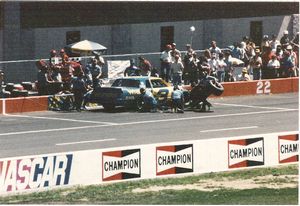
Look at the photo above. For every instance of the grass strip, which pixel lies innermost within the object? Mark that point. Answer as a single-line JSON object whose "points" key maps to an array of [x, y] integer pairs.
{"points": [[122, 193]]}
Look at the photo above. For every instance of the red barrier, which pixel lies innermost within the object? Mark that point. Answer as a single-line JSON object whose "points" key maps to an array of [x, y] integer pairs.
{"points": [[26, 104], [268, 86], [1, 106], [257, 87]]}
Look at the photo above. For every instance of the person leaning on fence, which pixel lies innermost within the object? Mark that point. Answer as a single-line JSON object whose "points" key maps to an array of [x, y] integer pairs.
{"points": [[79, 88], [166, 59], [176, 71], [132, 70], [177, 100]]}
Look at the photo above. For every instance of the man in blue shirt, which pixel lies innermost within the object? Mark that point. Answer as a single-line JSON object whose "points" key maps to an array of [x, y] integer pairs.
{"points": [[177, 100], [147, 102]]}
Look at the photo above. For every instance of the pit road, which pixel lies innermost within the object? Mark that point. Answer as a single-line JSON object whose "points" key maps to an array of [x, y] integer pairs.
{"points": [[53, 132]]}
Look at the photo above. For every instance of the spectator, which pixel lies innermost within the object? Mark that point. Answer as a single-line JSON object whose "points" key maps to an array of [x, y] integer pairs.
{"points": [[285, 41], [64, 57], [220, 68], [177, 100], [154, 72], [272, 68], [250, 50], [96, 72], [274, 43], [132, 70], [295, 40], [189, 49], [147, 101], [53, 59], [166, 60], [190, 69], [176, 71], [213, 65], [3, 93], [266, 57], [236, 51], [287, 68], [145, 66], [294, 56], [215, 49], [175, 52], [244, 76], [228, 69], [265, 43], [43, 78], [207, 54], [79, 89], [256, 65]]}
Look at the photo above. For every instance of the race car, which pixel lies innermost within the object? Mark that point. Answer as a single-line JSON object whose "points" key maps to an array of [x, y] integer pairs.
{"points": [[125, 91]]}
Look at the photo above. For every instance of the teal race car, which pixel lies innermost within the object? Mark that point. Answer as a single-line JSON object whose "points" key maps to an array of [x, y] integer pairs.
{"points": [[125, 92]]}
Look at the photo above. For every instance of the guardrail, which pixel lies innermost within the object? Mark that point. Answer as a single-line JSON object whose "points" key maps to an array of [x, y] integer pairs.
{"points": [[257, 87]]}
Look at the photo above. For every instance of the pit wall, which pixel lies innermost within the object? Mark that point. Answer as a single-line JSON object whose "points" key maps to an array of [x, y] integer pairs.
{"points": [[160, 160], [258, 87]]}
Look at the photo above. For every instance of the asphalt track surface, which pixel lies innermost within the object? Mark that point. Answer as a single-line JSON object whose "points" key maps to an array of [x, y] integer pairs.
{"points": [[54, 132]]}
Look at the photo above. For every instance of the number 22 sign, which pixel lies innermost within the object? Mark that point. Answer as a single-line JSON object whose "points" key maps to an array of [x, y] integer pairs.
{"points": [[263, 87]]}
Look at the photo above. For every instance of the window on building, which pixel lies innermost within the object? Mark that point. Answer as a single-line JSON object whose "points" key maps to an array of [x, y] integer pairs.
{"points": [[256, 30], [166, 36], [72, 37]]}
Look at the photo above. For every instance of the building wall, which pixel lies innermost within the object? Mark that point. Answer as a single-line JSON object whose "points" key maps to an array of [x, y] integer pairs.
{"points": [[36, 43]]}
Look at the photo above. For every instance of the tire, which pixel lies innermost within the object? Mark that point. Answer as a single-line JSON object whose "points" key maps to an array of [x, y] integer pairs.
{"points": [[27, 85], [216, 88], [108, 107], [19, 93]]}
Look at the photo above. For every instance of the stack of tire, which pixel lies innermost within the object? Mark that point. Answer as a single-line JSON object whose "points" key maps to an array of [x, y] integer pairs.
{"points": [[17, 90]]}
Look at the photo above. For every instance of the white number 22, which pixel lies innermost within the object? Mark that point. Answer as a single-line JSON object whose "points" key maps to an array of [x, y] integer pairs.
{"points": [[263, 87]]}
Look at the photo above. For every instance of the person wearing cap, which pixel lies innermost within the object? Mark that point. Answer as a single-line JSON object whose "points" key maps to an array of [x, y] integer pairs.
{"points": [[53, 59], [264, 43], [176, 71], [166, 60], [244, 76], [96, 72], [255, 65], [274, 43], [272, 67], [285, 41], [177, 100], [132, 70], [64, 57], [294, 56]]}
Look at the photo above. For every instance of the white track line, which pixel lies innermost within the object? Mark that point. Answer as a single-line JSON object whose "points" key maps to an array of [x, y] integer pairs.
{"points": [[249, 106], [229, 129], [146, 122], [62, 119], [84, 142]]}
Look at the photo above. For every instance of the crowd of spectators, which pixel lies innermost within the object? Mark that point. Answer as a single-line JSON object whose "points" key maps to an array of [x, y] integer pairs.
{"points": [[273, 58]]}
